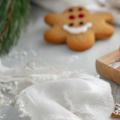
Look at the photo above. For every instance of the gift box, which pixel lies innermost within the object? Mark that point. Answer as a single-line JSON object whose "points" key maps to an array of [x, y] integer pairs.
{"points": [[108, 66]]}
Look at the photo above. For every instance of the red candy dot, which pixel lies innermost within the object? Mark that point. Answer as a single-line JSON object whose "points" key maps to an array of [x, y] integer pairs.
{"points": [[81, 15], [71, 17]]}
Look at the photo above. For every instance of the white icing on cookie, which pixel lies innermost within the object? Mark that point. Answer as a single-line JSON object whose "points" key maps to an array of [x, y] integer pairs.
{"points": [[77, 30]]}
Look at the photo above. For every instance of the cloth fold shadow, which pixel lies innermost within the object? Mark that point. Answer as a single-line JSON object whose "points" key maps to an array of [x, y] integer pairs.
{"points": [[82, 98]]}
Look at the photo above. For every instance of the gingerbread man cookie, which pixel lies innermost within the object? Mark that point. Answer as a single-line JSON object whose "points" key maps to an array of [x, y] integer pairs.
{"points": [[78, 28]]}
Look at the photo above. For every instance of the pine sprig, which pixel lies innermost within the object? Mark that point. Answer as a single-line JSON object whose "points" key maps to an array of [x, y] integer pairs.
{"points": [[13, 16]]}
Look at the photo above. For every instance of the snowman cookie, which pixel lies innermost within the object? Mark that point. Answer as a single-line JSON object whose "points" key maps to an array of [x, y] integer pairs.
{"points": [[78, 28]]}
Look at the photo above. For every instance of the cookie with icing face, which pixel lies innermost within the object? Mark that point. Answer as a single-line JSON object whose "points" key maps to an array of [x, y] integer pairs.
{"points": [[78, 28]]}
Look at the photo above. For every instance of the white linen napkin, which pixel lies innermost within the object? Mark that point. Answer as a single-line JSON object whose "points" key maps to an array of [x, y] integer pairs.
{"points": [[112, 6], [82, 98], [60, 5]]}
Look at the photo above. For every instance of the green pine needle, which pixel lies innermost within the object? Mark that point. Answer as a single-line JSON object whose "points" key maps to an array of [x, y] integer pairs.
{"points": [[13, 16]]}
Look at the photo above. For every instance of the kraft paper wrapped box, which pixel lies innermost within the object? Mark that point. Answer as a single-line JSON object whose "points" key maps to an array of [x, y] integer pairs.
{"points": [[109, 66]]}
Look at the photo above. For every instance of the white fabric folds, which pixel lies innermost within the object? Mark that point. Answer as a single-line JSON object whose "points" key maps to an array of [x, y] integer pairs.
{"points": [[82, 98]]}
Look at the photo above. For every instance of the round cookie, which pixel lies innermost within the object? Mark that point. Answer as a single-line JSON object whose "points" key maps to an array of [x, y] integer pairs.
{"points": [[78, 28]]}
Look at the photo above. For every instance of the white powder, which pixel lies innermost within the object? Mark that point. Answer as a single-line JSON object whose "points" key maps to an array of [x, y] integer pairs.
{"points": [[33, 71]]}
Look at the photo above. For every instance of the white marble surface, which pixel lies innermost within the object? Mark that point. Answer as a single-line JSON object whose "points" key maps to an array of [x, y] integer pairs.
{"points": [[59, 55], [32, 42]]}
